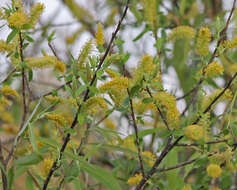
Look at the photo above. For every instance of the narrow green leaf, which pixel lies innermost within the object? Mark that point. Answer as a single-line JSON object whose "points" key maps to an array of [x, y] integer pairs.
{"points": [[28, 160], [32, 138], [101, 175], [10, 177], [12, 35], [29, 183]]}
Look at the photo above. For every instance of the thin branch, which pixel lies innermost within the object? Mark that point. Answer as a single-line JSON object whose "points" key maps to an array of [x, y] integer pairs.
{"points": [[78, 150], [197, 144], [53, 50], [23, 81], [8, 76], [217, 97], [55, 165], [160, 112], [136, 134], [3, 168], [169, 146]]}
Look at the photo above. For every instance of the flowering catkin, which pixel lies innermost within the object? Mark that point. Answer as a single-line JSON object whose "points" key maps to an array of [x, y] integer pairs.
{"points": [[35, 12], [203, 40], [6, 47], [46, 165], [214, 170], [186, 32], [86, 50], [213, 69], [210, 98], [134, 180], [194, 132], [99, 35], [17, 20], [149, 8], [172, 114], [7, 91]]}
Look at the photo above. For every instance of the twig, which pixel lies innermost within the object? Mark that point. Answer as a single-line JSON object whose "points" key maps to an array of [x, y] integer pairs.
{"points": [[3, 168], [53, 50], [8, 76], [23, 94], [136, 133], [160, 112], [217, 97], [169, 146], [55, 165], [197, 144], [78, 150]]}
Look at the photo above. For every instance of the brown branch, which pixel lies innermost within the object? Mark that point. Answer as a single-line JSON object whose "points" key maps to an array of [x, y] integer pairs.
{"points": [[136, 133], [23, 81], [55, 165], [8, 76], [197, 144], [78, 150], [160, 112], [3, 168], [217, 97], [169, 146]]}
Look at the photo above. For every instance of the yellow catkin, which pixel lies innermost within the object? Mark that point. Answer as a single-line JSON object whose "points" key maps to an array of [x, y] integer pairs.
{"points": [[180, 32], [94, 104], [35, 12], [172, 114], [17, 20], [112, 73], [149, 8], [128, 143], [41, 62], [134, 180], [215, 188], [56, 118], [214, 170], [230, 43], [213, 69], [79, 12], [187, 187], [141, 108], [194, 132], [149, 158], [203, 40], [99, 35], [4, 101], [8, 91], [220, 157], [146, 67], [6, 47], [109, 124], [10, 129], [46, 165], [60, 66], [86, 50], [7, 117], [117, 83], [211, 97]]}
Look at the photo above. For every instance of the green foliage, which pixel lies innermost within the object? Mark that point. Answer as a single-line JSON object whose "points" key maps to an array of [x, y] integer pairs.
{"points": [[107, 117]]}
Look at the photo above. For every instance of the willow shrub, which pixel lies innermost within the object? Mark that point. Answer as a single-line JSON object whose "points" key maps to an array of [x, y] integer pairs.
{"points": [[70, 137]]}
